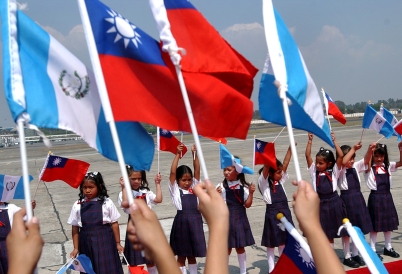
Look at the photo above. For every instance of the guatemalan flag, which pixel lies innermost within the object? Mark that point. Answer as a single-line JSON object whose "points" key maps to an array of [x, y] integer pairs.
{"points": [[167, 142], [227, 159], [391, 119], [332, 109], [11, 187], [264, 153], [285, 64], [372, 119], [56, 90]]}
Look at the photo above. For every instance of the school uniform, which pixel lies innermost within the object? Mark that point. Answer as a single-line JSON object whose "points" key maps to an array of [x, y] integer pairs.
{"points": [[380, 203], [7, 212], [240, 234], [135, 257], [332, 207], [349, 184], [276, 202], [96, 238], [187, 237]]}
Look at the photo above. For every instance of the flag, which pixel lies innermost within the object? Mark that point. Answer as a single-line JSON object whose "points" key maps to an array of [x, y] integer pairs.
{"points": [[219, 140], [70, 171], [285, 64], [12, 187], [264, 153], [138, 269], [227, 159], [57, 91], [390, 118], [332, 109], [136, 75], [83, 264], [294, 259], [167, 142], [398, 127], [374, 120]]}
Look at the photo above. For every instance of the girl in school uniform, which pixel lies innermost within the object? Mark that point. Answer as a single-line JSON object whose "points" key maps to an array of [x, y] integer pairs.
{"points": [[324, 173], [380, 203], [95, 230], [140, 190], [270, 184], [187, 235], [238, 195], [358, 215], [7, 212]]}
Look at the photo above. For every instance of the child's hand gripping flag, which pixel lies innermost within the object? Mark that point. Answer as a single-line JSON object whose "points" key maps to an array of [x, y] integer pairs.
{"points": [[227, 159], [11, 187], [372, 119]]}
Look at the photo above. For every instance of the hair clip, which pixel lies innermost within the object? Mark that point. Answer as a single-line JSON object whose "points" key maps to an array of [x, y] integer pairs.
{"points": [[327, 151], [128, 166], [91, 174], [321, 148]]}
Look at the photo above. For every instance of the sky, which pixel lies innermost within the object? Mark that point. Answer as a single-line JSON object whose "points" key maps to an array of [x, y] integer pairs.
{"points": [[352, 48]]}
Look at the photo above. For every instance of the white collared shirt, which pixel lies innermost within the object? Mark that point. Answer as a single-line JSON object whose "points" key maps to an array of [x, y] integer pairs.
{"points": [[359, 166], [264, 186], [109, 212], [150, 198], [370, 178], [12, 209], [174, 191], [232, 184], [335, 175]]}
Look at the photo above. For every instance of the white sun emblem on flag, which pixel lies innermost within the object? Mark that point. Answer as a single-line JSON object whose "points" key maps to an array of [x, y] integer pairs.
{"points": [[304, 256], [125, 30], [56, 161], [165, 132], [258, 145]]}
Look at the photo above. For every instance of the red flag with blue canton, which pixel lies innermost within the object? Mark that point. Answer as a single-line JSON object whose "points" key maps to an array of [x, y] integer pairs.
{"points": [[167, 142], [264, 153], [136, 75], [294, 259], [334, 110], [70, 171]]}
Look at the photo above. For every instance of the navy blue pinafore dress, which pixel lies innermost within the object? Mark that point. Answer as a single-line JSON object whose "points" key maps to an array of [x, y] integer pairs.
{"points": [[5, 228]]}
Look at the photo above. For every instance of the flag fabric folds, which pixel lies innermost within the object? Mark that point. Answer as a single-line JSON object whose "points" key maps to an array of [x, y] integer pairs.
{"points": [[167, 142], [12, 187], [391, 119], [372, 119], [264, 153], [68, 170], [294, 259], [398, 127], [136, 75], [60, 92], [285, 64], [83, 264], [219, 140], [332, 108], [227, 159]]}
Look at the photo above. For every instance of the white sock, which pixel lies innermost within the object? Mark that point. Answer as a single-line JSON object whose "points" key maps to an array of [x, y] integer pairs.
{"points": [[193, 268], [280, 249], [355, 251], [387, 238], [242, 262], [271, 258], [373, 240], [346, 246], [183, 270], [152, 269]]}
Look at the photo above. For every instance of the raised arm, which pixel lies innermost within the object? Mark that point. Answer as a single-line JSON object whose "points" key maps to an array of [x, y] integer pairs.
{"points": [[338, 151], [196, 163], [175, 163], [399, 163], [308, 150], [286, 160], [367, 158], [158, 180], [349, 155]]}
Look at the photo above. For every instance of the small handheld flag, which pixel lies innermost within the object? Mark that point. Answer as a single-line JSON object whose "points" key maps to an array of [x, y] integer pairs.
{"points": [[227, 159], [11, 187], [83, 264], [264, 153], [167, 142], [375, 121], [332, 108]]}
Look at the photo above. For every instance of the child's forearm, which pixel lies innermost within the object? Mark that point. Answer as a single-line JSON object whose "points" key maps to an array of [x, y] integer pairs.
{"points": [[249, 200], [159, 197], [164, 259], [116, 232], [217, 248], [75, 236]]}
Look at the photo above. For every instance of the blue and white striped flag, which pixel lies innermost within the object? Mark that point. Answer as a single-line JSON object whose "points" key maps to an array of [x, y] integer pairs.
{"points": [[285, 65], [227, 159], [391, 119], [11, 187], [372, 119]]}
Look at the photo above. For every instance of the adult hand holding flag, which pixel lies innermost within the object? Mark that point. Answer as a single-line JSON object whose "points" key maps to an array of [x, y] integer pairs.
{"points": [[11, 187], [264, 153], [375, 121]]}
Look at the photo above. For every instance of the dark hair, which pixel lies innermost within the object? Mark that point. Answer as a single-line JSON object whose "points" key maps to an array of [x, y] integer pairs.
{"points": [[327, 155], [271, 170], [96, 177], [382, 150], [144, 182], [181, 170], [345, 149], [240, 177]]}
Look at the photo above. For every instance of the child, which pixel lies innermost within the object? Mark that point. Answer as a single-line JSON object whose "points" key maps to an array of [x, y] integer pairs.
{"points": [[140, 189], [7, 212], [380, 203], [271, 187], [95, 230], [324, 175], [238, 195], [349, 184], [187, 236]]}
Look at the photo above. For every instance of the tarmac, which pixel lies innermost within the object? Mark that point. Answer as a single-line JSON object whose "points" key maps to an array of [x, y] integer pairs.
{"points": [[55, 199]]}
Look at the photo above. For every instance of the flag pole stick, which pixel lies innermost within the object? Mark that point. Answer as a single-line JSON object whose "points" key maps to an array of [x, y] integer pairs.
{"points": [[24, 164], [37, 186], [361, 137], [100, 81], [41, 172], [254, 153], [278, 135], [380, 139], [158, 144]]}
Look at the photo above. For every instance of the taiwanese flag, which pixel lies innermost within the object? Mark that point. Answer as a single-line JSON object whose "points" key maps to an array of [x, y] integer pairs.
{"points": [[294, 259], [138, 269], [264, 153], [333, 110], [136, 74], [219, 140], [398, 127], [70, 171], [167, 142]]}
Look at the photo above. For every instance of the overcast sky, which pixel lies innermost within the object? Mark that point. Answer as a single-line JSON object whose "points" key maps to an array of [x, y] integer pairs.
{"points": [[352, 48]]}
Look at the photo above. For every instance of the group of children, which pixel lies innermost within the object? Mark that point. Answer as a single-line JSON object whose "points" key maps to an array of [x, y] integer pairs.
{"points": [[95, 230]]}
